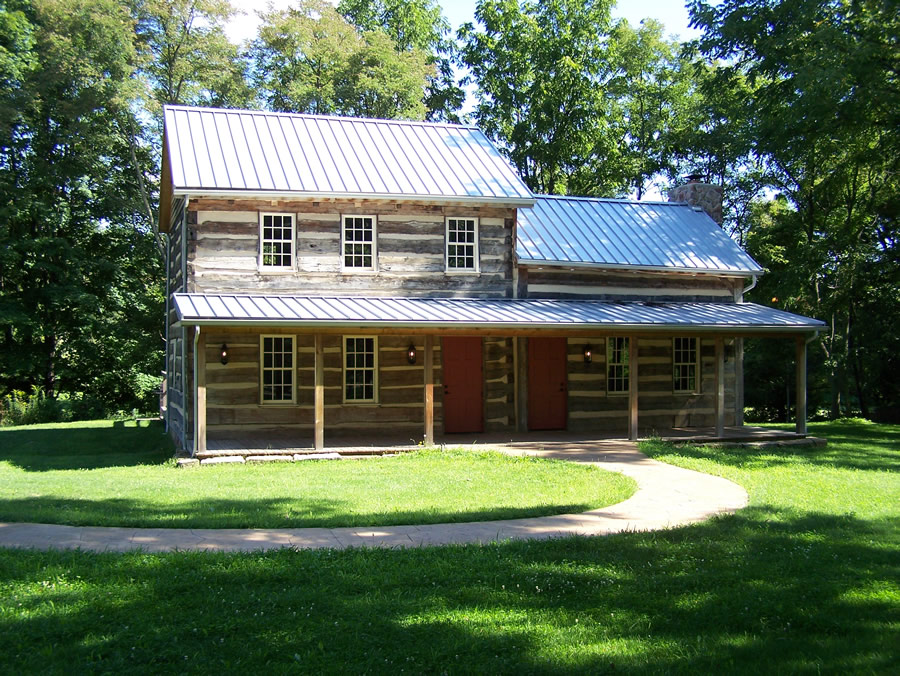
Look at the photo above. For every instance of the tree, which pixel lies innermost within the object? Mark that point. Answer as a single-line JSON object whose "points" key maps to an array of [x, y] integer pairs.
{"points": [[308, 59], [415, 25], [66, 185], [822, 111], [541, 68]]}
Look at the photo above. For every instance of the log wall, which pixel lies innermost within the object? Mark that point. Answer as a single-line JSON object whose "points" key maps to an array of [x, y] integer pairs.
{"points": [[223, 250], [176, 415], [558, 282]]}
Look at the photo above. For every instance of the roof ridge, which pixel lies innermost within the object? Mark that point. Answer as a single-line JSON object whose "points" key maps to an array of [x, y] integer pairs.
{"points": [[621, 200], [247, 111]]}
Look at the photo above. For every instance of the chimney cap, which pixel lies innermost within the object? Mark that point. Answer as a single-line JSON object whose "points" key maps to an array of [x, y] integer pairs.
{"points": [[694, 177]]}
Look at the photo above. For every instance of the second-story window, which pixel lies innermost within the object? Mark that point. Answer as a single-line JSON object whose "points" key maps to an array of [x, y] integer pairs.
{"points": [[462, 245], [276, 241], [358, 242]]}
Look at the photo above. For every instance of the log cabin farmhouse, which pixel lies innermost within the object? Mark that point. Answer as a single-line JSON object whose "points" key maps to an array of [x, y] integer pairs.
{"points": [[331, 278]]}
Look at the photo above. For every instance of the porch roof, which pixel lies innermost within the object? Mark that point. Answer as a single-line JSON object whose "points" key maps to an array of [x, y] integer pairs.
{"points": [[466, 313]]}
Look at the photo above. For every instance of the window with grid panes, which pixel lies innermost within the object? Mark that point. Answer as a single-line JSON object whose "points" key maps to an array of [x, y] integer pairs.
{"points": [[276, 241], [617, 365], [358, 239], [359, 368], [277, 369], [462, 244], [684, 364]]}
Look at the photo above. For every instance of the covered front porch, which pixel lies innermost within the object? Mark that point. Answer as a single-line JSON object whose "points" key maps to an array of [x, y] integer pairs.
{"points": [[616, 378]]}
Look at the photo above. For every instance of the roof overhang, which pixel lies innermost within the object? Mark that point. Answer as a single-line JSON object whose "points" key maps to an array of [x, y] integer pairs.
{"points": [[531, 262], [501, 315], [201, 193]]}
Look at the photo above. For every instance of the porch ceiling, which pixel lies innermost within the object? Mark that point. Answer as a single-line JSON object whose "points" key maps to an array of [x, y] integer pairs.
{"points": [[495, 314]]}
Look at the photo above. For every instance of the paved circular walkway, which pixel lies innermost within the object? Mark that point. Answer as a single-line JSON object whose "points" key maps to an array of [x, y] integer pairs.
{"points": [[667, 496]]}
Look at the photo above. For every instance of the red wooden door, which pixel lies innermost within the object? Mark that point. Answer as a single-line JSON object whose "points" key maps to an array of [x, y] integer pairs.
{"points": [[547, 397], [462, 375]]}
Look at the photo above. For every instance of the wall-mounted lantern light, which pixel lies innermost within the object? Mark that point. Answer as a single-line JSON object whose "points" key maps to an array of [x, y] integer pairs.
{"points": [[588, 354], [223, 357], [411, 354]]}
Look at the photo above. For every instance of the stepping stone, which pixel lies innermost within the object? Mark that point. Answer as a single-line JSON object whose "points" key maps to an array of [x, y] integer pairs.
{"points": [[222, 459], [187, 462], [269, 458], [316, 456]]}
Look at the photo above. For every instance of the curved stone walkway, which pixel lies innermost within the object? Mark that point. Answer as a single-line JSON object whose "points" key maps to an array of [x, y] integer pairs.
{"points": [[667, 496]]}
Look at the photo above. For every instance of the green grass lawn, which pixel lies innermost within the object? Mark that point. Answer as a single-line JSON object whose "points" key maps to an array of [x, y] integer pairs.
{"points": [[120, 474], [803, 581]]}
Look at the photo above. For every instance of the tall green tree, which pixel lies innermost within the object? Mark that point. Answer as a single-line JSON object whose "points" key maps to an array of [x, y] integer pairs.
{"points": [[66, 189], [540, 69], [309, 59], [416, 25], [822, 107]]}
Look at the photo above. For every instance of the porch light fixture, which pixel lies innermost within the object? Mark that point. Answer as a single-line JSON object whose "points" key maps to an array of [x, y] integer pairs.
{"points": [[588, 354], [411, 354], [223, 357]]}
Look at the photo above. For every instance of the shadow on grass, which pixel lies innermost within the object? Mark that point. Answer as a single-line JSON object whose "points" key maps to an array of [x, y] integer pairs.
{"points": [[292, 512], [859, 447], [85, 445], [763, 591]]}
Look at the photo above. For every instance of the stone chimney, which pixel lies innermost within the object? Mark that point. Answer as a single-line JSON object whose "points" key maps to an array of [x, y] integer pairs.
{"points": [[707, 197]]}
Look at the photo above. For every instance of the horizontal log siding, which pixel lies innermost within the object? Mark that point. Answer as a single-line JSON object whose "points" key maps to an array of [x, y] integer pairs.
{"points": [[592, 409], [224, 244], [499, 385], [233, 395], [556, 282]]}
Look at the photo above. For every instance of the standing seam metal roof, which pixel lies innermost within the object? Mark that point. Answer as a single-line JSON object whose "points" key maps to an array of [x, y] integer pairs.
{"points": [[613, 233], [457, 312], [219, 150]]}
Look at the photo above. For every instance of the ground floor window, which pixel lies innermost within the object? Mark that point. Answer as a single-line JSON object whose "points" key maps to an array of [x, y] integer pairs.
{"points": [[276, 369], [684, 365], [360, 368], [617, 365]]}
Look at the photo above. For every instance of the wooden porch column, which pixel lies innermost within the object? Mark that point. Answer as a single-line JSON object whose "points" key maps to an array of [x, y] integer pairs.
{"points": [[801, 385], [633, 388], [429, 390], [319, 383], [720, 386], [522, 385], [200, 360], [739, 381]]}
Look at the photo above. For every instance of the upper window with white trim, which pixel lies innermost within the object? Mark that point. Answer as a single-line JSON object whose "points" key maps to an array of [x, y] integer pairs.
{"points": [[684, 365], [358, 242], [462, 245], [276, 241]]}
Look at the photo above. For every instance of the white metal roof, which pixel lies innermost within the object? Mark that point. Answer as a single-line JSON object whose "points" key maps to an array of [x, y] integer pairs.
{"points": [[215, 151], [365, 312], [626, 233]]}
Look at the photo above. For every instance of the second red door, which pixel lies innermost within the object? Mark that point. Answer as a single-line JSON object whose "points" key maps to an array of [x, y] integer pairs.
{"points": [[462, 375], [547, 384]]}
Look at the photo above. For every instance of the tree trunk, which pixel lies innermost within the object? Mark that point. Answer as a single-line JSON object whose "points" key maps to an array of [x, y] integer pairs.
{"points": [[50, 373]]}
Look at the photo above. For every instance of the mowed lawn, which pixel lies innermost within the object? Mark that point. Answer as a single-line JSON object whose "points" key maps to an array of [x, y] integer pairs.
{"points": [[108, 473], [805, 580]]}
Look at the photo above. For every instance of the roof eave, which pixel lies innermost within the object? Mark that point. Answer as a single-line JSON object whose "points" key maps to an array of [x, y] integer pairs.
{"points": [[640, 268], [200, 193]]}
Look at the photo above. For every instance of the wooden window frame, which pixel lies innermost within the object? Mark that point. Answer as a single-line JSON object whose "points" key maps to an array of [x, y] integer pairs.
{"points": [[345, 369], [354, 269], [676, 364], [262, 368], [476, 249], [263, 268], [625, 365]]}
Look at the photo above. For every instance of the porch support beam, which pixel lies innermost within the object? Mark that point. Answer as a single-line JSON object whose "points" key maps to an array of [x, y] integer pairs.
{"points": [[429, 390], [801, 385], [720, 387], [633, 388], [319, 401], [739, 382], [522, 385], [200, 385]]}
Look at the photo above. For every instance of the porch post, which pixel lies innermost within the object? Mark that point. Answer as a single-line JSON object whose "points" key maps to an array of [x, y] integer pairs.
{"points": [[739, 381], [200, 384], [429, 390], [801, 385], [633, 388], [522, 386], [319, 383], [720, 386]]}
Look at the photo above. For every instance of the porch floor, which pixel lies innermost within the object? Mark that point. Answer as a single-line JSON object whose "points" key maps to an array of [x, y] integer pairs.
{"points": [[359, 446]]}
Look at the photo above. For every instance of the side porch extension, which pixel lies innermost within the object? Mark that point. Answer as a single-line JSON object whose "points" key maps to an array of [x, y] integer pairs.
{"points": [[295, 371]]}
